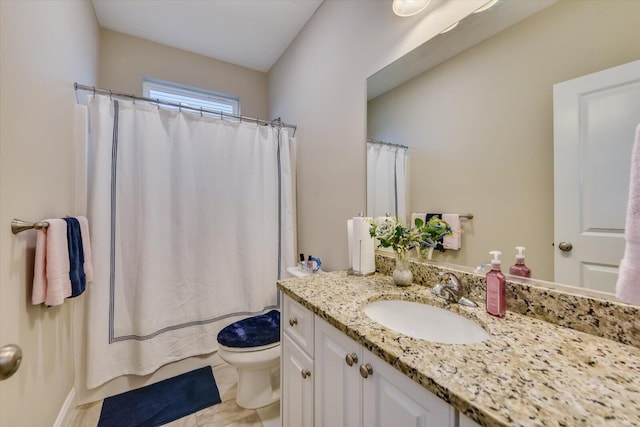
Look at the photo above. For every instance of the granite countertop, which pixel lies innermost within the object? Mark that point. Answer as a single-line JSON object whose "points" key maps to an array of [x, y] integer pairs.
{"points": [[528, 373]]}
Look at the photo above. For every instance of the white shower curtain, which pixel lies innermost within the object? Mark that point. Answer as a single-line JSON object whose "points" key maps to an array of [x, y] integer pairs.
{"points": [[386, 181], [191, 224]]}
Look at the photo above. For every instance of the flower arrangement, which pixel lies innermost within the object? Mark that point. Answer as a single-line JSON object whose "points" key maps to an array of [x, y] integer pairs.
{"points": [[393, 233]]}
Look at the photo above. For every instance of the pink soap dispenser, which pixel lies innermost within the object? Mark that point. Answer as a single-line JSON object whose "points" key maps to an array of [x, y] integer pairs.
{"points": [[496, 288], [519, 269]]}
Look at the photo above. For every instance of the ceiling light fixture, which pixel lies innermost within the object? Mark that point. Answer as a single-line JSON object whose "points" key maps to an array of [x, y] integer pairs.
{"points": [[409, 7], [486, 6]]}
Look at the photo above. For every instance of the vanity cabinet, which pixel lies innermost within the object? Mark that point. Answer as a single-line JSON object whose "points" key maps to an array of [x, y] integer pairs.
{"points": [[354, 387], [329, 380], [296, 402], [338, 384], [296, 365]]}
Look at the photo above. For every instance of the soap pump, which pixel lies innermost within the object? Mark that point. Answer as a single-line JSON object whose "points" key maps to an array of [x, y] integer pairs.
{"points": [[519, 268], [496, 300]]}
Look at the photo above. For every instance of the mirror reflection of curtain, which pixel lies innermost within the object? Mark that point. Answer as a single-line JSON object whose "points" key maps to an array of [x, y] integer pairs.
{"points": [[386, 180]]}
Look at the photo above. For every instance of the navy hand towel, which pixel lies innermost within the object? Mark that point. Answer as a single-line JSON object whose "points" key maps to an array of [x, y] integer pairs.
{"points": [[76, 257]]}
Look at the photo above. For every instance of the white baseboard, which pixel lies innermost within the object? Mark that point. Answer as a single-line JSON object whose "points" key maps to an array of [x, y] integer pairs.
{"points": [[66, 412]]}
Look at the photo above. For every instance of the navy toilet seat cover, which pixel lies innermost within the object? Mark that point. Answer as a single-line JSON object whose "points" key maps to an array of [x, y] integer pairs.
{"points": [[256, 331]]}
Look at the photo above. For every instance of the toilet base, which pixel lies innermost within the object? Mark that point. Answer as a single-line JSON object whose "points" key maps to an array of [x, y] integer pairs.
{"points": [[255, 388]]}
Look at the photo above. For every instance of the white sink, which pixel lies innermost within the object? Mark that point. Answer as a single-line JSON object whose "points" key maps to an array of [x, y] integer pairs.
{"points": [[425, 322]]}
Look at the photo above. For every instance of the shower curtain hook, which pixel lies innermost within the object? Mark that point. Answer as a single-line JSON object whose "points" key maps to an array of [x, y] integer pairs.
{"points": [[201, 111], [158, 103], [94, 91], [220, 111]]}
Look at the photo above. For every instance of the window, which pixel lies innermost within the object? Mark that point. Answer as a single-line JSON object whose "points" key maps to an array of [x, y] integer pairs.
{"points": [[190, 96]]}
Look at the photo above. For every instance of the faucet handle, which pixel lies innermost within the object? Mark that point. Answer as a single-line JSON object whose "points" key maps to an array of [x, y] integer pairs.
{"points": [[453, 278]]}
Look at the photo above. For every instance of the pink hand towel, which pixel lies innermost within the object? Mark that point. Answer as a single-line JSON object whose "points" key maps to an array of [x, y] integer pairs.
{"points": [[57, 266], [39, 291], [454, 241], [86, 248], [628, 285]]}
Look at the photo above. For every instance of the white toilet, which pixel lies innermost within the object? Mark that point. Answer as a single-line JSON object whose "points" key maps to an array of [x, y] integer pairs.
{"points": [[252, 346]]}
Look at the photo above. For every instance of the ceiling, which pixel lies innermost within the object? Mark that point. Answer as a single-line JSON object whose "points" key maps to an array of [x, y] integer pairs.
{"points": [[250, 33]]}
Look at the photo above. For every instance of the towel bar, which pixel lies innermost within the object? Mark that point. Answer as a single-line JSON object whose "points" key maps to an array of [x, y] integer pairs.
{"points": [[18, 226]]}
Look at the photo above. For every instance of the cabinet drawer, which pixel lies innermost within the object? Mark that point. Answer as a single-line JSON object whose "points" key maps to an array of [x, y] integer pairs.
{"points": [[297, 322]]}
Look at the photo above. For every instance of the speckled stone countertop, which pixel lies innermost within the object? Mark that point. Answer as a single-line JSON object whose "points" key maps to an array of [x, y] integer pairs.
{"points": [[528, 373]]}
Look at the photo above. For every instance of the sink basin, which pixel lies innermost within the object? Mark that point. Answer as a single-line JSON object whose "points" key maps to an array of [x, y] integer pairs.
{"points": [[425, 322]]}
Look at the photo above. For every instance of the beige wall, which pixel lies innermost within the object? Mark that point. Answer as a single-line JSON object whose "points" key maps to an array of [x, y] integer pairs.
{"points": [[44, 47], [125, 60], [480, 126], [320, 84]]}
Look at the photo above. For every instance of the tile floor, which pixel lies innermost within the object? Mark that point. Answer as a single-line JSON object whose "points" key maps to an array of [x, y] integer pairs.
{"points": [[226, 413]]}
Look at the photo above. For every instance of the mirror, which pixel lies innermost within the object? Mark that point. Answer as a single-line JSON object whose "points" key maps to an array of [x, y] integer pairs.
{"points": [[475, 107]]}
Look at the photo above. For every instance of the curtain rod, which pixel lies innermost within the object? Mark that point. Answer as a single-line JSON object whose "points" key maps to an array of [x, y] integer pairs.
{"points": [[275, 122], [391, 144]]}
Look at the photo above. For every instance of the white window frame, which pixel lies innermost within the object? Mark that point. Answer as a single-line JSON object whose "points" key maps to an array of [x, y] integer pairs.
{"points": [[190, 96]]}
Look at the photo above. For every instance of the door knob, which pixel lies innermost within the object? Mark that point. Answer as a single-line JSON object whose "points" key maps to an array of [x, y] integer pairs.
{"points": [[351, 358], [10, 358], [305, 373], [565, 246], [293, 321], [366, 370]]}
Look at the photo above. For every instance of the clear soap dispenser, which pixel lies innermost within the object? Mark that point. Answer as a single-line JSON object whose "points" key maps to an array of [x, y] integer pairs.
{"points": [[519, 268], [496, 288]]}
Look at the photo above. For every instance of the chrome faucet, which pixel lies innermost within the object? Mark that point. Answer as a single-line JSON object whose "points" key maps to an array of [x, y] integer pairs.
{"points": [[453, 291]]}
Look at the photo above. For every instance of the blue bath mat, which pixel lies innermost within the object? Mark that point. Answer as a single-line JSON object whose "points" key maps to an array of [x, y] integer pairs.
{"points": [[162, 402]]}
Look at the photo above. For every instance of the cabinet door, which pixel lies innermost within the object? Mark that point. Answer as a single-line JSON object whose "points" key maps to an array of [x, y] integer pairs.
{"points": [[297, 385], [337, 384], [392, 399], [465, 421]]}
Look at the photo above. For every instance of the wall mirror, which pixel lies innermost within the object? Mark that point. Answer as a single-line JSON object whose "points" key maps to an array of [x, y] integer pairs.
{"points": [[475, 106]]}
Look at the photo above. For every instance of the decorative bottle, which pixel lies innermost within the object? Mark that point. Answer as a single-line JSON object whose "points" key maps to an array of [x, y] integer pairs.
{"points": [[519, 268], [496, 288]]}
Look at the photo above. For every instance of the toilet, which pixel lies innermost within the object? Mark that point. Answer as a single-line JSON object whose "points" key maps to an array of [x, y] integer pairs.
{"points": [[252, 346]]}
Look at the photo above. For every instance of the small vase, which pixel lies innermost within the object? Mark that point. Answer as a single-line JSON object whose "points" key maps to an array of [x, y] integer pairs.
{"points": [[402, 275], [430, 253]]}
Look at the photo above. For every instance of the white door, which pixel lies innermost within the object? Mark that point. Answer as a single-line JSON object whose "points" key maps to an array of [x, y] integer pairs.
{"points": [[337, 385], [595, 117]]}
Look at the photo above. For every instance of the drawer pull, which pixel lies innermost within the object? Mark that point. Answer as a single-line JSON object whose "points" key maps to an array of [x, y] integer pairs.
{"points": [[366, 370], [351, 359], [293, 321], [305, 373]]}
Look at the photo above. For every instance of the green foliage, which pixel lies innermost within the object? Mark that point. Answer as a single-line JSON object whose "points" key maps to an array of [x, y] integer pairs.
{"points": [[393, 233]]}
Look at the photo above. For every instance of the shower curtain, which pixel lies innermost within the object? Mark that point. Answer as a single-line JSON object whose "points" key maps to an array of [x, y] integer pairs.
{"points": [[191, 224], [386, 181]]}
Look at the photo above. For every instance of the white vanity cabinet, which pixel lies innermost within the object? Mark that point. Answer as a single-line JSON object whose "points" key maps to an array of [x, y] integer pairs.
{"points": [[296, 365], [354, 387], [296, 400], [329, 380], [465, 421], [338, 384]]}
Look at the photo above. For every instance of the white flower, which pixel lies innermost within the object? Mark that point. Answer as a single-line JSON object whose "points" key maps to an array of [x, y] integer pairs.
{"points": [[386, 229]]}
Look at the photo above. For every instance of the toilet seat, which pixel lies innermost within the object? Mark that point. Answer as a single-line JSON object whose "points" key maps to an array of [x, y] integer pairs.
{"points": [[254, 332], [247, 349]]}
